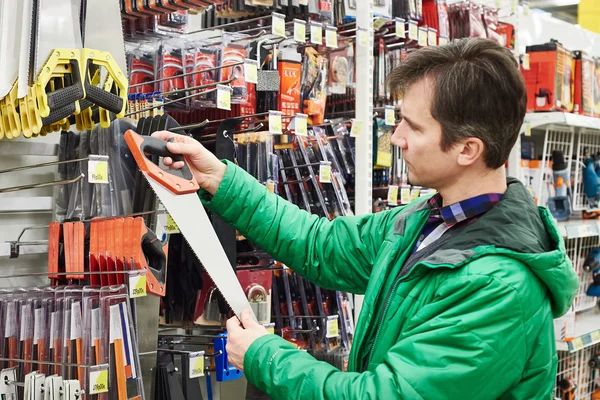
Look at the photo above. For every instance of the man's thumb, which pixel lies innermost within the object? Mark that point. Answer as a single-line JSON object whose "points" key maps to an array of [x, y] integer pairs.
{"points": [[248, 319]]}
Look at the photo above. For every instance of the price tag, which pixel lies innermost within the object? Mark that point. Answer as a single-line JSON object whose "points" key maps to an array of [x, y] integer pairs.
{"points": [[303, 2], [98, 169], [196, 366], [513, 6], [137, 285], [171, 227], [596, 336], [527, 129], [316, 33], [526, 9], [325, 173], [301, 124], [270, 328], [390, 115], [413, 30], [333, 328], [422, 37], [278, 24], [331, 37], [526, 64], [275, 123], [356, 129], [405, 195], [363, 37], [99, 379], [299, 31], [251, 71], [224, 97], [379, 22], [392, 195], [443, 40], [498, 3], [414, 194], [577, 344], [400, 28], [432, 37]]}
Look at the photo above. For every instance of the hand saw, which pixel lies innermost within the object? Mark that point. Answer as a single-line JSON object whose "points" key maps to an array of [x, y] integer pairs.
{"points": [[176, 190]]}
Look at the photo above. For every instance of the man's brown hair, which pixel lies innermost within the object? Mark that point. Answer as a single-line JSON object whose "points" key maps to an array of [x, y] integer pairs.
{"points": [[478, 91]]}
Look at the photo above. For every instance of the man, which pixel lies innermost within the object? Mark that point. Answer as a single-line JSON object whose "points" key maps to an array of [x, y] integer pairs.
{"points": [[460, 288]]}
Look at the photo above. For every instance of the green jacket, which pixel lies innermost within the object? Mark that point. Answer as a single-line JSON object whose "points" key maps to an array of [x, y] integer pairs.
{"points": [[472, 321]]}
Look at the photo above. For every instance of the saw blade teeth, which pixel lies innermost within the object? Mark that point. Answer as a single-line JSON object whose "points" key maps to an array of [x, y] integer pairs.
{"points": [[195, 255]]}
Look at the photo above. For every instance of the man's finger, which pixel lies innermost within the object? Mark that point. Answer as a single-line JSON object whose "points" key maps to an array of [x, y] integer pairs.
{"points": [[163, 135], [247, 319], [233, 324]]}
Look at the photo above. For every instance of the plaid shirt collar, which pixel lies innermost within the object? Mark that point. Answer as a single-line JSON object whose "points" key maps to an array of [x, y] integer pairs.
{"points": [[463, 210]]}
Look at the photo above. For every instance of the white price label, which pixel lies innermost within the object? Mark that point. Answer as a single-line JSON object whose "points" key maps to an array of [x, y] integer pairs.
{"points": [[325, 173], [137, 286], [443, 40], [270, 328], [526, 64], [422, 37], [99, 379], [526, 9], [224, 97], [196, 366], [413, 30], [98, 169], [392, 195], [405, 195], [577, 344], [275, 123], [415, 194], [400, 28], [527, 129], [251, 71], [303, 2], [390, 116], [363, 37], [316, 33], [301, 124], [331, 38], [357, 126], [278, 25], [333, 327], [299, 31], [432, 37]]}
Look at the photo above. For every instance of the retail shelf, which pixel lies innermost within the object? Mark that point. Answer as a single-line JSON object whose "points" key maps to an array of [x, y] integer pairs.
{"points": [[579, 228], [587, 332], [26, 204], [541, 119]]}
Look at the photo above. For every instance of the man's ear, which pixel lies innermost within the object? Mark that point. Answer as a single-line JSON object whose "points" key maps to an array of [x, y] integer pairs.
{"points": [[470, 150]]}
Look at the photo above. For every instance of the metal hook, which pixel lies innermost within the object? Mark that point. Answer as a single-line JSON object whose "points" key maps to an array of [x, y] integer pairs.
{"points": [[201, 86], [232, 24], [48, 164], [171, 102], [192, 126], [40, 185], [254, 129], [188, 74]]}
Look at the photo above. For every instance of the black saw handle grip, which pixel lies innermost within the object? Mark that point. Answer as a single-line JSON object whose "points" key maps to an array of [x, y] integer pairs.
{"points": [[59, 114], [157, 147], [70, 94]]}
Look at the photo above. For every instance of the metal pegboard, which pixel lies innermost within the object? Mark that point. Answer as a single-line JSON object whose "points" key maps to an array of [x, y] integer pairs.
{"points": [[556, 139], [578, 250], [575, 369], [588, 142]]}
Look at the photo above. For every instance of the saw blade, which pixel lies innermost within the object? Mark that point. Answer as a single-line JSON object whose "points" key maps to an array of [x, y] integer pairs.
{"points": [[104, 30], [58, 27], [188, 213]]}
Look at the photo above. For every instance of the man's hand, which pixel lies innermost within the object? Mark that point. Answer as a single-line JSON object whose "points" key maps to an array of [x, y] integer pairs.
{"points": [[206, 167], [239, 338]]}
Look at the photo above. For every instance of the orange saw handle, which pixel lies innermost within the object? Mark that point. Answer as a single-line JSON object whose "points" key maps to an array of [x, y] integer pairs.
{"points": [[180, 181]]}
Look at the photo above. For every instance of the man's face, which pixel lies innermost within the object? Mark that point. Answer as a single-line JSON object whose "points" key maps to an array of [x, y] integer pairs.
{"points": [[419, 136]]}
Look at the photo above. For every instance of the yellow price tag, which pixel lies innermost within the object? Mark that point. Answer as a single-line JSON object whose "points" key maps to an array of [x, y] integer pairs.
{"points": [[390, 116], [422, 37], [392, 195], [137, 286], [196, 367], [299, 31], [596, 336], [413, 30], [251, 71], [526, 63], [333, 328], [271, 330], [356, 129], [431, 38], [303, 2], [325, 173], [275, 123], [170, 226], [224, 97], [99, 380], [278, 25], [577, 344], [316, 33], [498, 3], [526, 9], [405, 195], [414, 194], [443, 40], [331, 38], [363, 38], [400, 28], [98, 169], [527, 129], [301, 124]]}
